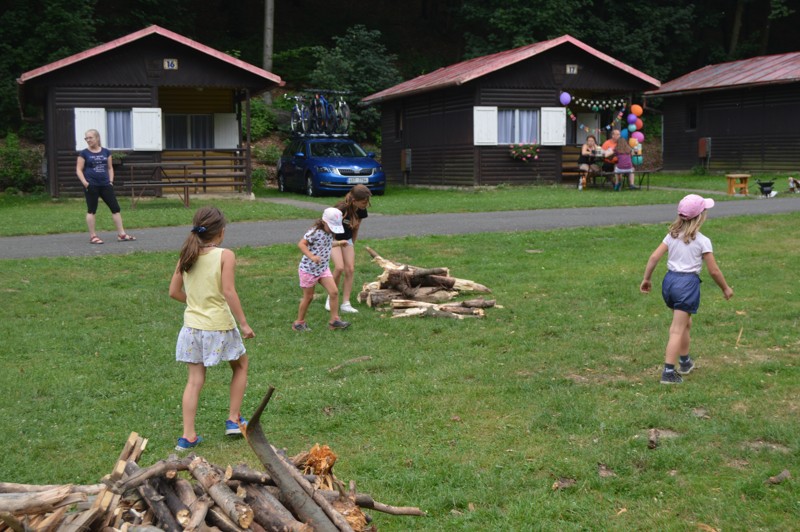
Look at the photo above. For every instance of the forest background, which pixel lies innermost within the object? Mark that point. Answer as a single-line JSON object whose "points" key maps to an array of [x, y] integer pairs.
{"points": [[663, 39]]}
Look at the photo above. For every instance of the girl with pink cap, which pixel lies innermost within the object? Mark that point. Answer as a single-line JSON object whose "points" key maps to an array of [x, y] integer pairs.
{"points": [[687, 249]]}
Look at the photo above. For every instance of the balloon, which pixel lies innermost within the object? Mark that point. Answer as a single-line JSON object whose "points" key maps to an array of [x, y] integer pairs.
{"points": [[632, 142], [639, 136], [637, 109], [639, 123], [624, 133], [632, 118], [631, 127], [565, 98]]}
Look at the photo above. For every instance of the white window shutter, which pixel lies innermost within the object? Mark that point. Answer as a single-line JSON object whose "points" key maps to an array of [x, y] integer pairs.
{"points": [[87, 118], [484, 126], [554, 126], [226, 131], [146, 123]]}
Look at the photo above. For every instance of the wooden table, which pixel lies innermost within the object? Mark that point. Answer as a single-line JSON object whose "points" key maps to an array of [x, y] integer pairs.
{"points": [[159, 180], [737, 182]]}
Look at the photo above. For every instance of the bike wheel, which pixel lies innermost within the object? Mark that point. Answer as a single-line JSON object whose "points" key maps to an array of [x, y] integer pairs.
{"points": [[317, 117], [304, 118], [332, 125], [343, 114], [296, 120]]}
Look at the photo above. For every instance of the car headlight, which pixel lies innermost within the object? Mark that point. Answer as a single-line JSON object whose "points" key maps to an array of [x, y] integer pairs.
{"points": [[324, 169]]}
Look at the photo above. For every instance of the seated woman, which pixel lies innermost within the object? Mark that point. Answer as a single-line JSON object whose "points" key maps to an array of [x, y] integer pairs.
{"points": [[587, 162]]}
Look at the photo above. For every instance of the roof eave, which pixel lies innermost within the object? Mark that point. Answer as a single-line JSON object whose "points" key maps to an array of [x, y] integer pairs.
{"points": [[704, 90]]}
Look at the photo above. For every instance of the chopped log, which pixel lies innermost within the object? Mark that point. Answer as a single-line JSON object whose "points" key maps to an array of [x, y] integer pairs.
{"points": [[155, 501], [465, 285], [12, 522], [652, 439], [458, 309], [427, 312], [270, 513], [52, 520], [299, 500], [10, 487], [85, 519], [171, 499], [33, 503], [220, 519], [339, 521], [183, 488], [160, 468], [363, 500], [199, 510], [478, 303], [247, 474], [214, 485], [379, 297]]}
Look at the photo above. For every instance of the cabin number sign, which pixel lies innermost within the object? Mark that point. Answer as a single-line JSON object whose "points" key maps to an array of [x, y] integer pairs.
{"points": [[170, 64]]}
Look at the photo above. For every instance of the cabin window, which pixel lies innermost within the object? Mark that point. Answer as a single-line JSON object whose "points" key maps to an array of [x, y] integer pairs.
{"points": [[188, 132], [119, 129], [516, 126], [138, 128], [691, 115]]}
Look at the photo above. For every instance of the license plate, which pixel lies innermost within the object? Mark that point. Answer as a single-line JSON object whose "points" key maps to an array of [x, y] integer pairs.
{"points": [[357, 180]]}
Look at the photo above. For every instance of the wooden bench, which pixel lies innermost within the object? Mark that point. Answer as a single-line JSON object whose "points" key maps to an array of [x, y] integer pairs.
{"points": [[737, 182], [570, 167]]}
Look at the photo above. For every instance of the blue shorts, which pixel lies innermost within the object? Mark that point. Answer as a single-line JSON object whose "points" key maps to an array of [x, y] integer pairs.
{"points": [[681, 291]]}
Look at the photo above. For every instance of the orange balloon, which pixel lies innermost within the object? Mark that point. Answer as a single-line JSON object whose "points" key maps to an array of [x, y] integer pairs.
{"points": [[637, 109], [632, 142]]}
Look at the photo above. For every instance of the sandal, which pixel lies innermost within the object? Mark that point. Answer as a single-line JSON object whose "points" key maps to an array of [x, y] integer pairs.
{"points": [[125, 238], [95, 240]]}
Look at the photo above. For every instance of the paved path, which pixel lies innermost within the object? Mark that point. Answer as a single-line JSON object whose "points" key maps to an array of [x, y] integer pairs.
{"points": [[380, 226]]}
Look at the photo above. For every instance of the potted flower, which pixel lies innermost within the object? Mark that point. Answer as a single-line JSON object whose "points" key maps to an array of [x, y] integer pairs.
{"points": [[118, 157], [525, 152]]}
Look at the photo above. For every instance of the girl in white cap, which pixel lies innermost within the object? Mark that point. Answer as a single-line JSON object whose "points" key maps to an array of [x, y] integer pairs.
{"points": [[688, 248], [316, 246]]}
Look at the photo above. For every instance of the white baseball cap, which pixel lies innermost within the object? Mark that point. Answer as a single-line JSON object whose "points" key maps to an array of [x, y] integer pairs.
{"points": [[333, 217]]}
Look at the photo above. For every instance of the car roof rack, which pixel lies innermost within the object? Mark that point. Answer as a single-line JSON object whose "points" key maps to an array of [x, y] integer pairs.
{"points": [[321, 135]]}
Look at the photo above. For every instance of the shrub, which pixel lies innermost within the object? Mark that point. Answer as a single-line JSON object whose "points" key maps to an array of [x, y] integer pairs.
{"points": [[259, 177], [262, 119], [19, 167], [268, 154]]}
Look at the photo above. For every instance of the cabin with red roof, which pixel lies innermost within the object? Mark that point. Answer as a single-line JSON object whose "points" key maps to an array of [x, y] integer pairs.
{"points": [[456, 126], [155, 96], [736, 116]]}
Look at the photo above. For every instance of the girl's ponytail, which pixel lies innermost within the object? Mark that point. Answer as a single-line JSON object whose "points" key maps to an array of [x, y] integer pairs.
{"points": [[207, 224]]}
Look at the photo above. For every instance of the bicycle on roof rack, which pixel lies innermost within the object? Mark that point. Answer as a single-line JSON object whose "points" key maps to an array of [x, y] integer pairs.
{"points": [[300, 114], [326, 118]]}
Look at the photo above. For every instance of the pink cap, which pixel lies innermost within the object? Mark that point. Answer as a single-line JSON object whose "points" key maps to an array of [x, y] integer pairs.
{"points": [[333, 217], [692, 205]]}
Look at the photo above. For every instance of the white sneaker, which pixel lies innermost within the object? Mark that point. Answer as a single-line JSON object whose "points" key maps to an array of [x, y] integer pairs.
{"points": [[347, 307], [328, 303]]}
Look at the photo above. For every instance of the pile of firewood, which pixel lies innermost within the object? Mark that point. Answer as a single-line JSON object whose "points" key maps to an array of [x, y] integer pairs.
{"points": [[294, 494], [412, 291]]}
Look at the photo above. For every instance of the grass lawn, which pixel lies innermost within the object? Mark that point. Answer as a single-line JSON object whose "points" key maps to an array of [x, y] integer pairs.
{"points": [[472, 421], [34, 215]]}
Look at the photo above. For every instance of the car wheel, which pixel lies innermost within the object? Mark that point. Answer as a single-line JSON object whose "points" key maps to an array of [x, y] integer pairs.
{"points": [[281, 183], [379, 192], [311, 190]]}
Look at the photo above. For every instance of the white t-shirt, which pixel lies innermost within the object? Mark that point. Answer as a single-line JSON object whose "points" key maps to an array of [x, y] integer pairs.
{"points": [[687, 258]]}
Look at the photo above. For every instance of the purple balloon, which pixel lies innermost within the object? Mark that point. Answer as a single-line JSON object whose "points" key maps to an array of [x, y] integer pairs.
{"points": [[638, 135], [632, 118], [565, 98]]}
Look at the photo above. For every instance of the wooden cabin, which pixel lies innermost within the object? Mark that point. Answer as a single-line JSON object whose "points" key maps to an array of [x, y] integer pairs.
{"points": [[156, 97], [455, 126], [736, 116]]}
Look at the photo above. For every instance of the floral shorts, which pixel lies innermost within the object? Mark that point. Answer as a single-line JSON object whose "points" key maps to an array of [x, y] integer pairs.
{"points": [[209, 348], [307, 280]]}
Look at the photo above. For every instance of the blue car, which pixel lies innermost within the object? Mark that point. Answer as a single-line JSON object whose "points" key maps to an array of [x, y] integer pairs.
{"points": [[328, 165]]}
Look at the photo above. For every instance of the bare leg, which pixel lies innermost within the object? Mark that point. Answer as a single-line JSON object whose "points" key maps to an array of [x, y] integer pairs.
{"points": [[90, 222], [333, 292], [349, 257], [117, 217], [632, 179], [191, 396], [678, 343], [308, 295], [338, 263], [238, 386]]}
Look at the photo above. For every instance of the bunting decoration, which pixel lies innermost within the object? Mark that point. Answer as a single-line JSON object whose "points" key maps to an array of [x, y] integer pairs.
{"points": [[599, 105]]}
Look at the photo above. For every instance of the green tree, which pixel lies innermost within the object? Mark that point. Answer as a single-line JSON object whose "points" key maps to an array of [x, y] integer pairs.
{"points": [[37, 32], [358, 63]]}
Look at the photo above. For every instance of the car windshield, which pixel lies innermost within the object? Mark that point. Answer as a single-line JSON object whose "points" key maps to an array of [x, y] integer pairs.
{"points": [[336, 149]]}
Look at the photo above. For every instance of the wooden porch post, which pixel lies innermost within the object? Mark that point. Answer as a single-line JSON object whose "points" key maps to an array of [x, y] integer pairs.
{"points": [[248, 164]]}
